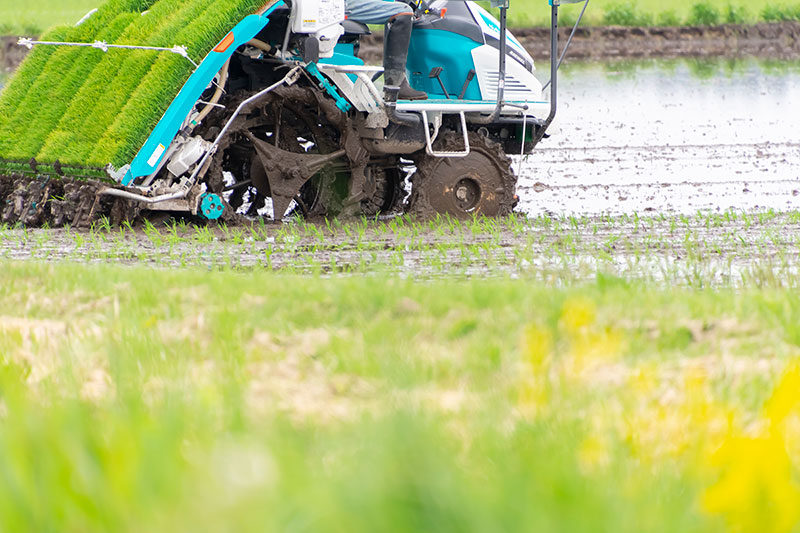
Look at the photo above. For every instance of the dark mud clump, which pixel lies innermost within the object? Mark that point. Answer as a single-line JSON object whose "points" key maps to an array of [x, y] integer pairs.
{"points": [[11, 54], [778, 40], [42, 201]]}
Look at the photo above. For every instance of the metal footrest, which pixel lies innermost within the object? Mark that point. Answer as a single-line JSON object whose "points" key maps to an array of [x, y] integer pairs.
{"points": [[429, 140]]}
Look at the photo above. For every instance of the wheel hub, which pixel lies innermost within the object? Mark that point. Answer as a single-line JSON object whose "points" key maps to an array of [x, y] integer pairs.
{"points": [[468, 192], [211, 206]]}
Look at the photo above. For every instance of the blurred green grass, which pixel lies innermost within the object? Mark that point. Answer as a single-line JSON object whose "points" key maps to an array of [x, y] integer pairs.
{"points": [[655, 12], [35, 18], [31, 18], [136, 399]]}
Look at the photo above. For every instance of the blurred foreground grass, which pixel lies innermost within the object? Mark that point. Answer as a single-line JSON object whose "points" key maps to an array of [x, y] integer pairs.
{"points": [[165, 400]]}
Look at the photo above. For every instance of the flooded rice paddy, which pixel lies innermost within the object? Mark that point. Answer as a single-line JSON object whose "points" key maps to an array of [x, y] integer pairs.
{"points": [[670, 136], [730, 249], [674, 136], [682, 172]]}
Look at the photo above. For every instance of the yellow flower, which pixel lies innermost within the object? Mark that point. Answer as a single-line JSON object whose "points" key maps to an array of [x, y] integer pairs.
{"points": [[756, 491], [537, 351], [643, 381], [578, 313], [533, 397], [676, 419], [786, 396], [538, 345], [590, 344], [593, 453], [605, 345]]}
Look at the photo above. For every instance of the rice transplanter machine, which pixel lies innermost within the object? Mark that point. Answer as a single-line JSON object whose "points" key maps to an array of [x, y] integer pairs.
{"points": [[282, 116]]}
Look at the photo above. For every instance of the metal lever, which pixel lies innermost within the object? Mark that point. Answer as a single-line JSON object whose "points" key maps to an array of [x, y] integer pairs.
{"points": [[470, 77], [435, 73]]}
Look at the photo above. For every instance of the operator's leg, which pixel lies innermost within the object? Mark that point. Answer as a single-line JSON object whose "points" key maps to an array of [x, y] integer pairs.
{"points": [[398, 17], [374, 11], [395, 54]]}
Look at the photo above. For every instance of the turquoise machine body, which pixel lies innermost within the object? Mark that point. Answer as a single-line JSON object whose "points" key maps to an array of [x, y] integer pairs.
{"points": [[467, 40]]}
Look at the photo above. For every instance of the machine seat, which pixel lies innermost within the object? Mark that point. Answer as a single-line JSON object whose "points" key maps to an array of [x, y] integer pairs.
{"points": [[351, 27]]}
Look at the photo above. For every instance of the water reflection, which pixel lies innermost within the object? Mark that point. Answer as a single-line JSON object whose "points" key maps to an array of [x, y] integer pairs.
{"points": [[699, 67], [670, 135], [667, 135]]}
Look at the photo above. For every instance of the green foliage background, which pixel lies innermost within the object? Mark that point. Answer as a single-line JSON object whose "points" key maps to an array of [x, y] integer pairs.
{"points": [[85, 107], [32, 19]]}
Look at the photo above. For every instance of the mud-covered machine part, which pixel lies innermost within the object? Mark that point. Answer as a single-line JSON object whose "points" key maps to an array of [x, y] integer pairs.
{"points": [[288, 135], [481, 183], [44, 200], [298, 121]]}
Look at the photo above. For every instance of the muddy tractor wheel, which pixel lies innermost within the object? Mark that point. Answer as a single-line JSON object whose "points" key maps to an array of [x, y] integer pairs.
{"points": [[481, 183], [326, 194], [388, 195], [296, 120]]}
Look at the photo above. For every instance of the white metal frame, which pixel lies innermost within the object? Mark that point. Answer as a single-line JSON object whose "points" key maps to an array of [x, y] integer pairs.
{"points": [[362, 92], [105, 47], [429, 139]]}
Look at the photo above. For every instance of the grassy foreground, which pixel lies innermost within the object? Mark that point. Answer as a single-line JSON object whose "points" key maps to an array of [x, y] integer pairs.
{"points": [[155, 400]]}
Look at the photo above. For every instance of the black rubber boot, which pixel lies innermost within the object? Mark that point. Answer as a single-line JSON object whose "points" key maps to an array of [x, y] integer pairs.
{"points": [[395, 53]]}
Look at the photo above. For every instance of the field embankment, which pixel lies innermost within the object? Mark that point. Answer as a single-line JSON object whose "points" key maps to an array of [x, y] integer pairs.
{"points": [[775, 40]]}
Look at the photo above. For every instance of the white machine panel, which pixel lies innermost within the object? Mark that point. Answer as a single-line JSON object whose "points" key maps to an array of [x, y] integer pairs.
{"points": [[310, 16], [520, 84], [491, 28]]}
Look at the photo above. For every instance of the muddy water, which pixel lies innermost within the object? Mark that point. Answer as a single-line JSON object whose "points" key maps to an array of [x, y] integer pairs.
{"points": [[646, 137], [670, 136], [667, 136], [729, 250]]}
